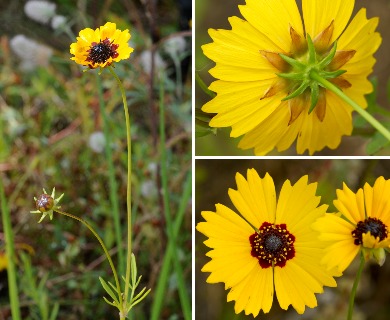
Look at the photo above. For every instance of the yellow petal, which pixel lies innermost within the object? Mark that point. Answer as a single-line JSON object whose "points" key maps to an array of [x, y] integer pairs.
{"points": [[273, 19], [319, 14], [350, 205]]}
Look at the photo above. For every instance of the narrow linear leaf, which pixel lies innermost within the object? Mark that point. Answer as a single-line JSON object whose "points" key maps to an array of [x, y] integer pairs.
{"points": [[108, 290]]}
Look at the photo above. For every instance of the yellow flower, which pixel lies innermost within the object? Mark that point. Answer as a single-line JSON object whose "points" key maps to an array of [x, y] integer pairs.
{"points": [[362, 224], [101, 47], [253, 78], [282, 255]]}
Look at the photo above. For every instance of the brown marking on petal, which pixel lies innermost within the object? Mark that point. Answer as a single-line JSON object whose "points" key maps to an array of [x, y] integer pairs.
{"points": [[341, 58], [322, 40], [279, 85], [296, 106], [275, 60], [341, 82], [320, 108], [298, 43]]}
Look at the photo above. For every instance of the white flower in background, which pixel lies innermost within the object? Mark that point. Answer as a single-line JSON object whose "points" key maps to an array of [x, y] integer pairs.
{"points": [[97, 141], [152, 167], [145, 61], [30, 52], [58, 22], [175, 46], [40, 11], [148, 189]]}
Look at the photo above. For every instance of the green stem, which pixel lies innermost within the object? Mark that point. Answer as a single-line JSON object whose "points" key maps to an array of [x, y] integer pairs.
{"points": [[113, 187], [118, 287], [370, 119], [128, 197], [10, 252], [203, 86], [354, 288]]}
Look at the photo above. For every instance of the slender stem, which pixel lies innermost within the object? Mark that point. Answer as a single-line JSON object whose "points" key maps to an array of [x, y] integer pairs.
{"points": [[113, 187], [128, 198], [203, 86], [354, 288], [118, 287], [370, 119], [10, 253]]}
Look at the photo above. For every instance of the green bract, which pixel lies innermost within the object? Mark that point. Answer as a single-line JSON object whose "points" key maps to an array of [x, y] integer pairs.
{"points": [[302, 72]]}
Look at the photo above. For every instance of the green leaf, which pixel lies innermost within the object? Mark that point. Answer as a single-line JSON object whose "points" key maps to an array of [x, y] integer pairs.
{"points": [[109, 291], [203, 129], [54, 311], [203, 86], [377, 143], [110, 303]]}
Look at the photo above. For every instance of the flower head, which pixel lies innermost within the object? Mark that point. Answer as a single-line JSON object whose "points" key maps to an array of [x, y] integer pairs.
{"points": [[270, 247], [101, 47], [47, 204], [362, 224], [265, 67]]}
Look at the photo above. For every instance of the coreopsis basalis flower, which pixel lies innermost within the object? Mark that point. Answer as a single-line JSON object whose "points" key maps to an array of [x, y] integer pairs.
{"points": [[101, 47], [265, 67], [46, 204], [362, 225], [269, 246]]}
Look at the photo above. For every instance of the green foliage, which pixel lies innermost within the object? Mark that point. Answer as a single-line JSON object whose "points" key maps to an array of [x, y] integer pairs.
{"points": [[36, 290]]}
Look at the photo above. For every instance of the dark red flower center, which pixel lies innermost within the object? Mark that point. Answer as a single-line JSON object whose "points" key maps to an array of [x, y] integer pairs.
{"points": [[102, 51], [273, 245], [376, 227]]}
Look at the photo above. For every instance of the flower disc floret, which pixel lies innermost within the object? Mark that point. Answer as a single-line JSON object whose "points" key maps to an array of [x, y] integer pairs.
{"points": [[272, 245], [101, 47], [373, 225]]}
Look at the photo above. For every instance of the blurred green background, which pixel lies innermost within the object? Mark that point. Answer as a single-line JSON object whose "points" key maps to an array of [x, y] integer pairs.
{"points": [[214, 14], [215, 177]]}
